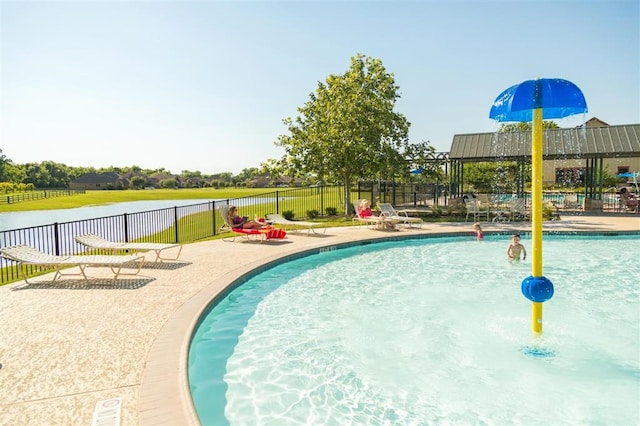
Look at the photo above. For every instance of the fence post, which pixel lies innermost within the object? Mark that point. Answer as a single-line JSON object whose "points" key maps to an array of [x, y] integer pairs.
{"points": [[175, 221], [56, 239], [126, 227], [277, 203], [213, 214]]}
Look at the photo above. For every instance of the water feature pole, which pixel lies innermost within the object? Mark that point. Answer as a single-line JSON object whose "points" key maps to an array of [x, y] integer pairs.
{"points": [[530, 101], [546, 291]]}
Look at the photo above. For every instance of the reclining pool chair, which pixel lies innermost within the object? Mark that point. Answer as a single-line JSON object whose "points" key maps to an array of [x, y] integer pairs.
{"points": [[295, 225], [392, 214], [96, 242], [27, 255], [373, 222]]}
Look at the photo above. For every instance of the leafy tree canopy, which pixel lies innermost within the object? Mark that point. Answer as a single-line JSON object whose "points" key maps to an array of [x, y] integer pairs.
{"points": [[348, 129], [524, 126]]}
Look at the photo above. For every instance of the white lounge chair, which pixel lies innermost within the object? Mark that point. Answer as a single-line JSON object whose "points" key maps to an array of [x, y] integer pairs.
{"points": [[402, 217], [295, 225], [373, 222], [27, 255], [98, 243]]}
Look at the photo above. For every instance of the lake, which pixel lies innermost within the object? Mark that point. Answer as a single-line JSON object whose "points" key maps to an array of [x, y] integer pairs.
{"points": [[19, 220]]}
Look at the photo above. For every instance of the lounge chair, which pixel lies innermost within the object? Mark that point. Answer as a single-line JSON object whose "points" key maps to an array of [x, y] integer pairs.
{"points": [[249, 234], [373, 222], [295, 225], [402, 217], [98, 243], [27, 255]]}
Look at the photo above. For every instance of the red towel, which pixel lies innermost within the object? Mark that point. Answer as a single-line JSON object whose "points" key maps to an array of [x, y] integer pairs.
{"points": [[276, 233]]}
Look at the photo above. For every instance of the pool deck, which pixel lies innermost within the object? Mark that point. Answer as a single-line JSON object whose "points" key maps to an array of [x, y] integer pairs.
{"points": [[66, 346]]}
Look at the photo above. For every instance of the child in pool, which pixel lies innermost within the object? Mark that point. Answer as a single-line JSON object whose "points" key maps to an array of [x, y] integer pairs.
{"points": [[477, 229], [515, 249]]}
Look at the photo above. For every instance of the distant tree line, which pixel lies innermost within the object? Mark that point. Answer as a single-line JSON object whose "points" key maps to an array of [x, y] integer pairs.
{"points": [[49, 174]]}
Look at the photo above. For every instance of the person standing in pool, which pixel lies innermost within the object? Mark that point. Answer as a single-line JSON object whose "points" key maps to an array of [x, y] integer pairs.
{"points": [[477, 229], [516, 249]]}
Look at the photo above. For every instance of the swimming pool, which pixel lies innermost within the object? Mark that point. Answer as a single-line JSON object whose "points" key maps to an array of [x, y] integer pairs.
{"points": [[426, 331]]}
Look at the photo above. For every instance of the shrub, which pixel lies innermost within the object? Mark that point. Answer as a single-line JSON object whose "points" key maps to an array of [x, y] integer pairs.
{"points": [[331, 211], [549, 212], [313, 213], [288, 214]]}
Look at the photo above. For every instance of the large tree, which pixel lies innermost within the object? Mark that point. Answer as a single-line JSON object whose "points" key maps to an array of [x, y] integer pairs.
{"points": [[348, 130]]}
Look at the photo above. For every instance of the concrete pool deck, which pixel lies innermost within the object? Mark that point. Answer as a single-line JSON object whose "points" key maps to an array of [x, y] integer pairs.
{"points": [[66, 346]]}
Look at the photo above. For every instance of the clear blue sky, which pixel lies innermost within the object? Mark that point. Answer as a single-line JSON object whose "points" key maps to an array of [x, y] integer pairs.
{"points": [[204, 85]]}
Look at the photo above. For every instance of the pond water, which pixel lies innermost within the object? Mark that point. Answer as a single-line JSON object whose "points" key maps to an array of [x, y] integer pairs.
{"points": [[18, 220]]}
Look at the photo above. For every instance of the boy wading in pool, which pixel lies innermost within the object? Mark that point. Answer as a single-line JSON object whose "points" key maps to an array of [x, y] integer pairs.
{"points": [[515, 249]]}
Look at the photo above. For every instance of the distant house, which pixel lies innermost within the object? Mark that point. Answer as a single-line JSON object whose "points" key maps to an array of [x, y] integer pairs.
{"points": [[155, 179], [107, 180], [265, 180], [595, 122], [260, 181]]}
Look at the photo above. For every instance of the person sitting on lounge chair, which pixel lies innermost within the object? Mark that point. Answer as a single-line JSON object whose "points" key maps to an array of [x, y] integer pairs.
{"points": [[242, 221], [364, 210], [629, 199]]}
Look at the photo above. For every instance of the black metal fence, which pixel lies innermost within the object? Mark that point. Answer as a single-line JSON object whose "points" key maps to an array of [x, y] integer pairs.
{"points": [[38, 195], [183, 224]]}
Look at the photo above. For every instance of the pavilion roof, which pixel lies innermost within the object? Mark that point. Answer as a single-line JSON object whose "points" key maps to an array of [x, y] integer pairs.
{"points": [[577, 142]]}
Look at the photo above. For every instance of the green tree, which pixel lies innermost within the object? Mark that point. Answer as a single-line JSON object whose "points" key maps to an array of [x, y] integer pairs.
{"points": [[491, 177], [524, 126], [423, 156], [348, 129], [3, 161], [273, 168], [168, 183], [138, 182]]}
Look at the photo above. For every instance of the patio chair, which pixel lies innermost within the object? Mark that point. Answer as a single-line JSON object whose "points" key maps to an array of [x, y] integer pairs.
{"points": [[519, 209], [570, 201], [473, 208], [27, 255], [390, 212], [628, 200], [261, 235], [96, 242], [295, 225]]}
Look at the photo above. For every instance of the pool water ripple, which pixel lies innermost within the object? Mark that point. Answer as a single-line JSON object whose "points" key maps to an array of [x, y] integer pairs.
{"points": [[427, 331]]}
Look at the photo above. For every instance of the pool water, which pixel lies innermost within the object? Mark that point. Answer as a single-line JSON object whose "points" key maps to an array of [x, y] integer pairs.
{"points": [[426, 331]]}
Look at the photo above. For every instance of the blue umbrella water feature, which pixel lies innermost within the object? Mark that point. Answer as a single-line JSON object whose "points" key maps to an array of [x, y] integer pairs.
{"points": [[535, 100]]}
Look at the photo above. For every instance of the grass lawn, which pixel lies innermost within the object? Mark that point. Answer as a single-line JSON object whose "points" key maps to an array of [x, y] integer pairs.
{"points": [[93, 198]]}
